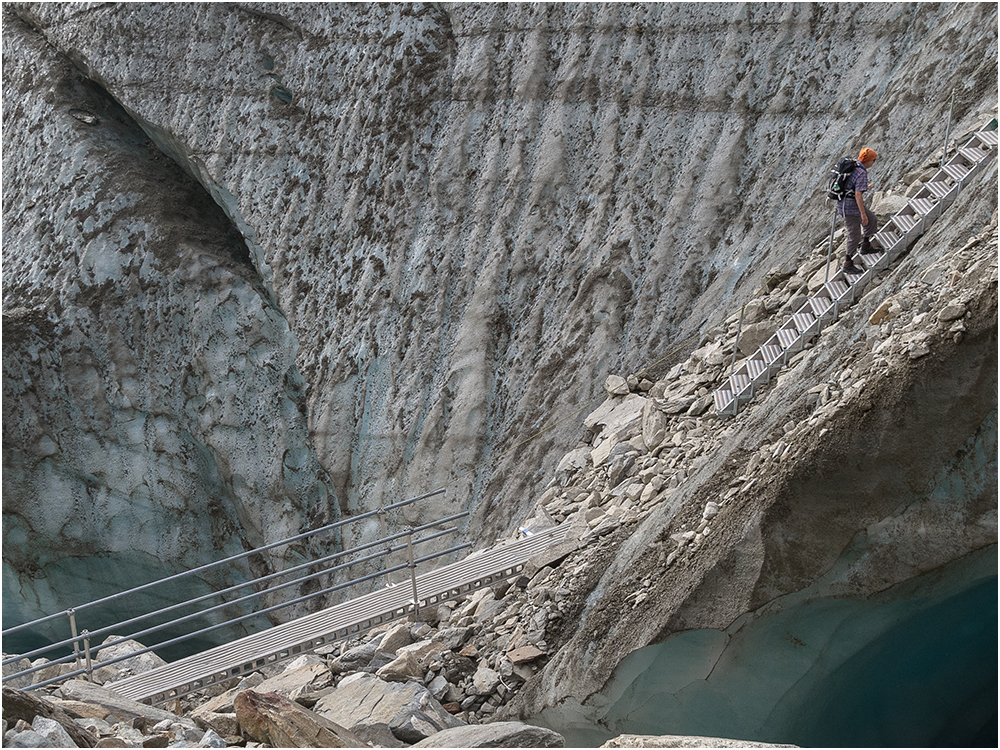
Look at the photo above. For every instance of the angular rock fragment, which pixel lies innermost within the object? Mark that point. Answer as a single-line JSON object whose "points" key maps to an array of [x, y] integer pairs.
{"points": [[53, 732], [525, 655], [485, 680], [408, 709], [495, 734], [403, 668], [616, 385], [277, 721]]}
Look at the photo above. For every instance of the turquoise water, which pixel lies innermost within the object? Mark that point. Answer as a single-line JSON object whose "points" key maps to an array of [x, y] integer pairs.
{"points": [[914, 669], [931, 681]]}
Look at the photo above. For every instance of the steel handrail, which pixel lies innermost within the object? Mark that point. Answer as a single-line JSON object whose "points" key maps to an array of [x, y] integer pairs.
{"points": [[180, 605], [208, 566], [181, 639]]}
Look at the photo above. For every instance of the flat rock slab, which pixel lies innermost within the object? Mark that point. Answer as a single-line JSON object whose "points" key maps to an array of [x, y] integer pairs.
{"points": [[614, 414], [497, 734], [675, 740], [289, 683], [525, 654], [294, 680], [408, 709], [124, 708]]}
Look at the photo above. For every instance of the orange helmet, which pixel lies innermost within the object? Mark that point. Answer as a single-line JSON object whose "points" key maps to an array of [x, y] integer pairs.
{"points": [[867, 154]]}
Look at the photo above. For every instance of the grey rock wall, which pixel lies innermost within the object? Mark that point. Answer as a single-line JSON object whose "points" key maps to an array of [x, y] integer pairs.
{"points": [[154, 417], [458, 221]]}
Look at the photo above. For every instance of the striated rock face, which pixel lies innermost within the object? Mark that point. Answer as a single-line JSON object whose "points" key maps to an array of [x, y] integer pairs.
{"points": [[404, 239]]}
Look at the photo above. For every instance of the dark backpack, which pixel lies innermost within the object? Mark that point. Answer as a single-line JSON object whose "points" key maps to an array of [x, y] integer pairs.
{"points": [[838, 178]]}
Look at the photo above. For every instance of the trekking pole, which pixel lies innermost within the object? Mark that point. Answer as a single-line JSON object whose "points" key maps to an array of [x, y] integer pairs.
{"points": [[947, 131], [829, 252]]}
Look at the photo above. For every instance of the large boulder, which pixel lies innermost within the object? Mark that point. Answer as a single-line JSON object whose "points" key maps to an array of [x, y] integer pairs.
{"points": [[408, 709], [28, 707], [131, 665], [271, 719]]}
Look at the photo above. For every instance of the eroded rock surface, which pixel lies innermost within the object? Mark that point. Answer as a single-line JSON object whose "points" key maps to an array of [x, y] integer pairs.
{"points": [[456, 222], [153, 410]]}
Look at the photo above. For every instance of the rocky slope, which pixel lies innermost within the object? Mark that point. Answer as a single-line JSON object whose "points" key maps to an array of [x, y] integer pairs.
{"points": [[265, 264]]}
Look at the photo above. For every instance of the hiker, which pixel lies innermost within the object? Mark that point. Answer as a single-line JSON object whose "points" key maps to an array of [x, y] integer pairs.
{"points": [[858, 219]]}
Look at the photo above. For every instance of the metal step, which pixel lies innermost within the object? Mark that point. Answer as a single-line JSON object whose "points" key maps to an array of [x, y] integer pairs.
{"points": [[974, 154], [939, 188], [906, 222], [873, 260], [789, 338], [772, 354], [837, 289], [925, 207], [853, 278], [755, 367], [805, 322], [739, 382], [887, 239], [988, 137], [820, 306], [957, 172], [725, 402]]}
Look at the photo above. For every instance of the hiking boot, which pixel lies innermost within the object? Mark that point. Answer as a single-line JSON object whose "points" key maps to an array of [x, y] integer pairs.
{"points": [[866, 246], [849, 267]]}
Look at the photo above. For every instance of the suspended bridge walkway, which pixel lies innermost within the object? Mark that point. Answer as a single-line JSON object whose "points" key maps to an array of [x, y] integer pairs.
{"points": [[396, 599], [337, 623]]}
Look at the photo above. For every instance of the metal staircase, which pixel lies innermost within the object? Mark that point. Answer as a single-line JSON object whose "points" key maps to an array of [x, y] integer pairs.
{"points": [[843, 288]]}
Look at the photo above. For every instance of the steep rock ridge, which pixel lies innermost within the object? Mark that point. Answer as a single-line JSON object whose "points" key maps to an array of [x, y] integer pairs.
{"points": [[458, 207], [863, 481], [153, 412]]}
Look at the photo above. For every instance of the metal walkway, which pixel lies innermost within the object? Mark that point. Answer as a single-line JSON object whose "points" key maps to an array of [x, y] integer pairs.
{"points": [[843, 288], [342, 621]]}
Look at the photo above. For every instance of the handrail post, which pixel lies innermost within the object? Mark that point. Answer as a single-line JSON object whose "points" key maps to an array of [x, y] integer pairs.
{"points": [[86, 649], [72, 628], [413, 572], [388, 547], [736, 346], [947, 132]]}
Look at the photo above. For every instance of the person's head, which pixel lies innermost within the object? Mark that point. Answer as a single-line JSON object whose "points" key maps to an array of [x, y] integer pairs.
{"points": [[867, 157]]}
